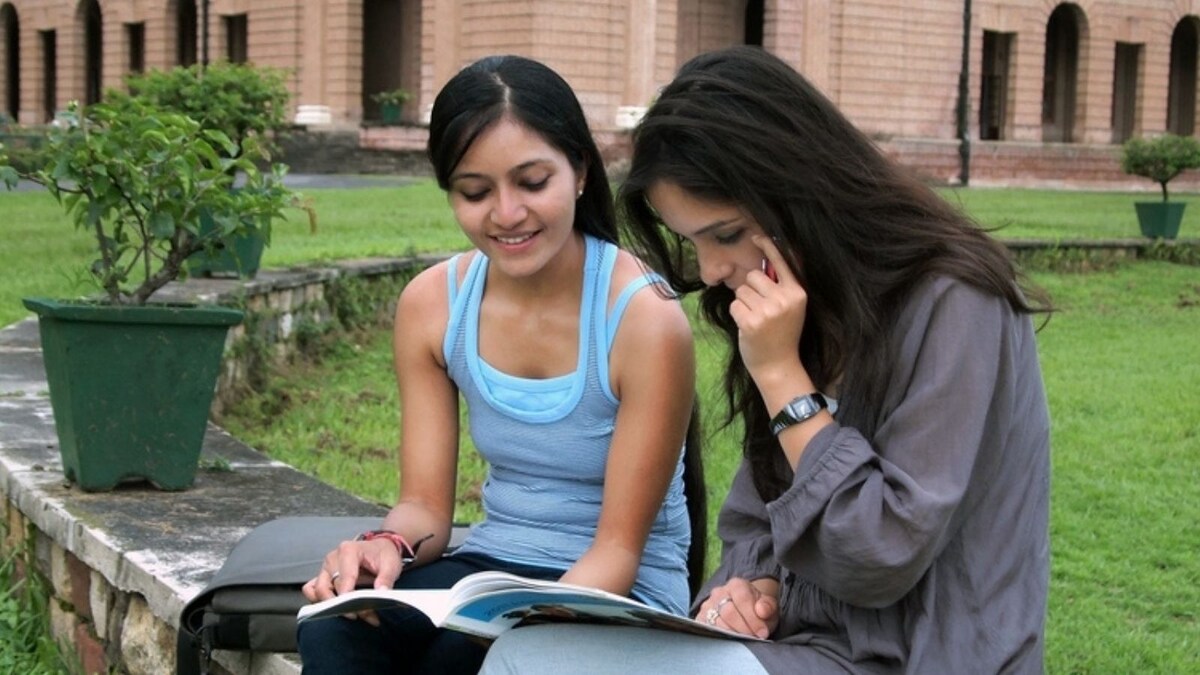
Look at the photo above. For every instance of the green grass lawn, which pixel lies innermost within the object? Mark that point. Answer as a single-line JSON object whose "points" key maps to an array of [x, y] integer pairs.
{"points": [[43, 254], [1121, 362]]}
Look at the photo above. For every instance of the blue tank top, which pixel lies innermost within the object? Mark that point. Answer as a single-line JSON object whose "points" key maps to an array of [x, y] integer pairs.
{"points": [[546, 441]]}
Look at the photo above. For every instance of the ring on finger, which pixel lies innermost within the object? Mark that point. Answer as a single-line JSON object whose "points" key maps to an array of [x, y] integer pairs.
{"points": [[714, 613], [333, 576]]}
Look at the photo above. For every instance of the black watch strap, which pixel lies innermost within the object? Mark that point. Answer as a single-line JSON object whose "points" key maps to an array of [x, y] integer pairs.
{"points": [[798, 410]]}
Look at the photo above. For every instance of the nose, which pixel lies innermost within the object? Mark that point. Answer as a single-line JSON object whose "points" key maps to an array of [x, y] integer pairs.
{"points": [[715, 269], [508, 210]]}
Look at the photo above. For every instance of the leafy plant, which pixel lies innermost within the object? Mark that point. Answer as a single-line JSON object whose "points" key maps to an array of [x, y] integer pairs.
{"points": [[1161, 158], [26, 641], [140, 179], [395, 97], [239, 100]]}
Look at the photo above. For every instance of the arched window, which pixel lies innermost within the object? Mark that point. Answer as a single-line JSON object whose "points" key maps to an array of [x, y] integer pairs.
{"points": [[1060, 75], [93, 51], [391, 38], [1181, 91], [12, 61], [186, 28], [754, 18]]}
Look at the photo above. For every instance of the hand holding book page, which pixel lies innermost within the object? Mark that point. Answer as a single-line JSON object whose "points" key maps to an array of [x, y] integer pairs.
{"points": [[486, 604]]}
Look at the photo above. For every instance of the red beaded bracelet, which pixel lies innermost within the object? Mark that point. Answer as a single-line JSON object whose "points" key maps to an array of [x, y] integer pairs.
{"points": [[408, 552]]}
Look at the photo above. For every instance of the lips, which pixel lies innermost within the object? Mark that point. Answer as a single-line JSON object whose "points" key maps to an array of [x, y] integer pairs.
{"points": [[515, 240]]}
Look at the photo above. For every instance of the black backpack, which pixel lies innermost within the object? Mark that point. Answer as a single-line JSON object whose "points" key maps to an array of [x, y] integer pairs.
{"points": [[252, 600]]}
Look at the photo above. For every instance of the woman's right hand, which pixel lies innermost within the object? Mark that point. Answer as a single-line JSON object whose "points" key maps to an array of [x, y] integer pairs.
{"points": [[747, 607], [770, 316], [377, 562]]}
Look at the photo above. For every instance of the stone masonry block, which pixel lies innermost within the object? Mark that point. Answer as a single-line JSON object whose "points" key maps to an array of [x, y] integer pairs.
{"points": [[147, 644], [80, 576], [100, 597], [60, 576], [14, 530], [42, 545], [62, 624], [90, 651]]}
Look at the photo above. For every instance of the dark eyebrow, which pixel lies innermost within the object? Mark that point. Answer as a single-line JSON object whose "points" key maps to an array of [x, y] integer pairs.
{"points": [[515, 170], [717, 224]]}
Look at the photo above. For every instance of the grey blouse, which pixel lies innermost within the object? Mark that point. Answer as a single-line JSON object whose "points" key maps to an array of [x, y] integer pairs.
{"points": [[926, 548]]}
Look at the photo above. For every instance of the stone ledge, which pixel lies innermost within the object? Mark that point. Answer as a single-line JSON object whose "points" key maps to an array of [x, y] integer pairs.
{"points": [[142, 553]]}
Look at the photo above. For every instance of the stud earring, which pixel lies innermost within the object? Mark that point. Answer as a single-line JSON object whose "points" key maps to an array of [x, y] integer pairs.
{"points": [[579, 194]]}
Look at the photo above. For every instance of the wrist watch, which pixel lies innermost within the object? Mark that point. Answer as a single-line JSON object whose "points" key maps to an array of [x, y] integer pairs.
{"points": [[798, 410]]}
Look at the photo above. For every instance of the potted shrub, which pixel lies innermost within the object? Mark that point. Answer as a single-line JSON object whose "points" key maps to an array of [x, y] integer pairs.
{"points": [[1160, 159], [131, 381], [390, 103], [242, 101]]}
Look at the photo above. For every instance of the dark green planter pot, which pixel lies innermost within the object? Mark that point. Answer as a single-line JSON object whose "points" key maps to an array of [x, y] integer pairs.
{"points": [[389, 113], [131, 388], [236, 257], [1160, 219]]}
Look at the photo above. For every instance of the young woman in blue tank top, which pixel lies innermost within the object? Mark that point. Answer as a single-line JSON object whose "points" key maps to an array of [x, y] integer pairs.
{"points": [[577, 375]]}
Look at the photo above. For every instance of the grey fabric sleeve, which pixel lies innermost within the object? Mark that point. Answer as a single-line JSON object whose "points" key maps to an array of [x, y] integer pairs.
{"points": [[863, 521]]}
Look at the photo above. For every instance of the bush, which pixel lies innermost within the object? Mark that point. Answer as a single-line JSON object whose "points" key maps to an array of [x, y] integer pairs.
{"points": [[238, 100], [141, 179], [1160, 159]]}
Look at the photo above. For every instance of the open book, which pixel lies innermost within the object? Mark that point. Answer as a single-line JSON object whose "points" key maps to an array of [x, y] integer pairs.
{"points": [[486, 604]]}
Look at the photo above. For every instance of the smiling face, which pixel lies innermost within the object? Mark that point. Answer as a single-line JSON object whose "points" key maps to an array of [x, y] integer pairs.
{"points": [[720, 232], [514, 195]]}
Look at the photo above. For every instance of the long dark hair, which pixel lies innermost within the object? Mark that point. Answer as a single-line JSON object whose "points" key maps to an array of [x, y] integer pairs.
{"points": [[537, 97], [740, 126]]}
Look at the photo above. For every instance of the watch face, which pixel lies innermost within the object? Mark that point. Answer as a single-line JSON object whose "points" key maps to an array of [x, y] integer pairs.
{"points": [[798, 410], [802, 409]]}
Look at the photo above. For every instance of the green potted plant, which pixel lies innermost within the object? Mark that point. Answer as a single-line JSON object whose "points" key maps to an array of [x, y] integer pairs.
{"points": [[1160, 159], [242, 101], [131, 381], [390, 103]]}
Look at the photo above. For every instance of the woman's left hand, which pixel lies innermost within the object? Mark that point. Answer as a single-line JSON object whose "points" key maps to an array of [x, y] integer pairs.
{"points": [[770, 317], [746, 607]]}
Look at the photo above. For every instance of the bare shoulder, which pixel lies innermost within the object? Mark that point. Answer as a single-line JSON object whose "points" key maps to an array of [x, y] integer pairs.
{"points": [[423, 307], [424, 291], [653, 313], [428, 291]]}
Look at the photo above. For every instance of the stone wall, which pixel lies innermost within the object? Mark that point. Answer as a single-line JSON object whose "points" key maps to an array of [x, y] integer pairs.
{"points": [[121, 565]]}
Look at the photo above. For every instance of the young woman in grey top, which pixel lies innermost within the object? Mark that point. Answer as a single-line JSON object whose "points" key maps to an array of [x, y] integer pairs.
{"points": [[905, 531]]}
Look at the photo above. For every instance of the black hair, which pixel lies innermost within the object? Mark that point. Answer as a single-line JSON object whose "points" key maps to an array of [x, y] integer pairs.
{"points": [[538, 98], [740, 126]]}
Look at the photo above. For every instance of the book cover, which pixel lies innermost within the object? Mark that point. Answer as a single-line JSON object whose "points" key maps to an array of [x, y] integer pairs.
{"points": [[486, 604]]}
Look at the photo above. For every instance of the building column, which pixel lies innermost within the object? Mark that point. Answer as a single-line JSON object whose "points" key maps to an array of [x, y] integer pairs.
{"points": [[312, 101], [1093, 97], [440, 28], [641, 39]]}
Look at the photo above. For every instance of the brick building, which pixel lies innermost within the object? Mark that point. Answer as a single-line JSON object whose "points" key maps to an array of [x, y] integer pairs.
{"points": [[1050, 87]]}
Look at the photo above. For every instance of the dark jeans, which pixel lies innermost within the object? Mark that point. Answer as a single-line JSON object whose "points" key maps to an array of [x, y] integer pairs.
{"points": [[405, 641]]}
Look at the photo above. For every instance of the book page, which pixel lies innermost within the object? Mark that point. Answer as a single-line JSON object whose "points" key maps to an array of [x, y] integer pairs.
{"points": [[492, 613], [434, 603], [488, 603]]}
